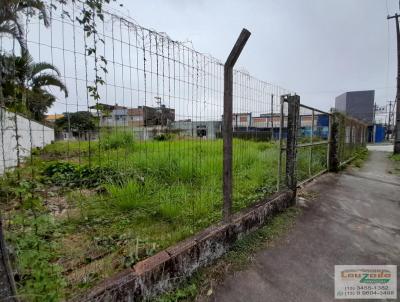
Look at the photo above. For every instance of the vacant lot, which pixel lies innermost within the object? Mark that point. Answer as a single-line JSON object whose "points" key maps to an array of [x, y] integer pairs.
{"points": [[77, 212]]}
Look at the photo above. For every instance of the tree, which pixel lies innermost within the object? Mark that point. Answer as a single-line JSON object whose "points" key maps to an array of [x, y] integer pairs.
{"points": [[80, 121], [24, 84], [11, 22]]}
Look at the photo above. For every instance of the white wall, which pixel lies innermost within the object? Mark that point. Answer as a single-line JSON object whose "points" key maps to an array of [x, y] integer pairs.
{"points": [[30, 135]]}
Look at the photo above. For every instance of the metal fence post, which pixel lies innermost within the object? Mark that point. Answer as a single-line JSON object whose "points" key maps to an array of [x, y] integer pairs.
{"points": [[272, 117], [311, 147], [281, 124], [291, 143], [227, 123]]}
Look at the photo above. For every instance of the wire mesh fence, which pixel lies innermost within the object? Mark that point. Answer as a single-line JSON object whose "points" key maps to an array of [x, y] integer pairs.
{"points": [[256, 125], [130, 160], [352, 135], [313, 143]]}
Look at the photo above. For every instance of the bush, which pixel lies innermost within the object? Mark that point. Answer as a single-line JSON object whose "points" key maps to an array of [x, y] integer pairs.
{"points": [[163, 137]]}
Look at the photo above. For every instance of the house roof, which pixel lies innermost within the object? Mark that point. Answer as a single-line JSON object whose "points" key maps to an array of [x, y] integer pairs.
{"points": [[51, 117]]}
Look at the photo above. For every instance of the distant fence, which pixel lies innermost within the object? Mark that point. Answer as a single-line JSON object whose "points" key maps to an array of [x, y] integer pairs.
{"points": [[352, 134], [313, 141], [18, 137], [149, 150]]}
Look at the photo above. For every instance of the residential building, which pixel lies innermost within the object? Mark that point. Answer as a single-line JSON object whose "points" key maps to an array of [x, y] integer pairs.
{"points": [[51, 118], [150, 116], [142, 116]]}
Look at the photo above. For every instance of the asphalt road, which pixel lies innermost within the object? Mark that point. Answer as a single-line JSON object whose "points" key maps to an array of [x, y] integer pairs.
{"points": [[354, 219]]}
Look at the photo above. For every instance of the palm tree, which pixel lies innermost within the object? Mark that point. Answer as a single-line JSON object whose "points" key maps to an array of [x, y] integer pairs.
{"points": [[25, 82], [11, 22]]}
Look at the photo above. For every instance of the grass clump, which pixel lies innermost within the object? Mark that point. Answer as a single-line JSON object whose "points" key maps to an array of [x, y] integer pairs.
{"points": [[396, 161], [360, 156], [117, 139], [395, 157], [132, 195]]}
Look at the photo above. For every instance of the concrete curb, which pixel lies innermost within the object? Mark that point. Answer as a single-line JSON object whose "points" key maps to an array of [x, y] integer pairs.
{"points": [[163, 271]]}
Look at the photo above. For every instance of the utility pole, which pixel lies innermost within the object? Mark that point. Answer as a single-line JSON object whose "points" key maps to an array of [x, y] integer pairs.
{"points": [[397, 124]]}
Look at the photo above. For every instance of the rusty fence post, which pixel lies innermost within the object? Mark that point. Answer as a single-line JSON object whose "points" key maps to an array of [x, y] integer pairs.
{"points": [[227, 123], [291, 142]]}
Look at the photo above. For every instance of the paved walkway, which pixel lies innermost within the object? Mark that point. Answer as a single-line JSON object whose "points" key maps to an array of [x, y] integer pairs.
{"points": [[355, 219], [381, 147]]}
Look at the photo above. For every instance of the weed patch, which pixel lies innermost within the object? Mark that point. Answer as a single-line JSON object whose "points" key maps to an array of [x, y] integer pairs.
{"points": [[122, 201]]}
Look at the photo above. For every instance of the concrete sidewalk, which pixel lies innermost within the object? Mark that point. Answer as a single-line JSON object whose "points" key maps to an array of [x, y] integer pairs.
{"points": [[354, 219]]}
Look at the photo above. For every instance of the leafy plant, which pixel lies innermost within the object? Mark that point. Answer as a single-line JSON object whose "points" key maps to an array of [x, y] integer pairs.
{"points": [[73, 175], [39, 278]]}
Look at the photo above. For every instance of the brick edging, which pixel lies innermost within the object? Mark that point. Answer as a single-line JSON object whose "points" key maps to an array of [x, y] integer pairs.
{"points": [[163, 271]]}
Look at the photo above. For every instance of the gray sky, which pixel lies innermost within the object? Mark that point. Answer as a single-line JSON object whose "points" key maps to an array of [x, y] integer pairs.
{"points": [[317, 48]]}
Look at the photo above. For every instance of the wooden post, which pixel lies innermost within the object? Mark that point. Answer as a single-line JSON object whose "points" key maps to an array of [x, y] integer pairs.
{"points": [[291, 142], [334, 143], [328, 153], [8, 289], [227, 122]]}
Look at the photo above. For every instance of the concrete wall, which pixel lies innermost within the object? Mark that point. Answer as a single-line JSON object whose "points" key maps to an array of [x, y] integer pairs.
{"points": [[30, 135], [166, 269]]}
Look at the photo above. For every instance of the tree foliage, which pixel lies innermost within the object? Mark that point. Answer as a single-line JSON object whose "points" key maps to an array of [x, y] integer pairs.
{"points": [[11, 21], [78, 121], [25, 92], [24, 82]]}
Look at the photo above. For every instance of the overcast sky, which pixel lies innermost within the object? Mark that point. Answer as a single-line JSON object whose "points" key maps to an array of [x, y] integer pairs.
{"points": [[319, 49]]}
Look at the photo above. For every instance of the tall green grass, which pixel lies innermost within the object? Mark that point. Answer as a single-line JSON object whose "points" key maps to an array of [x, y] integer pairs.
{"points": [[168, 190]]}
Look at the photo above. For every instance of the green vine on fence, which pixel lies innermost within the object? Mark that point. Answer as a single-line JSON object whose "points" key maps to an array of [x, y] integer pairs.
{"points": [[91, 12]]}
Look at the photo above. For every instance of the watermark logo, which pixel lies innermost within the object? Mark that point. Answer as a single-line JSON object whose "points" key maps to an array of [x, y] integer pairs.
{"points": [[365, 282]]}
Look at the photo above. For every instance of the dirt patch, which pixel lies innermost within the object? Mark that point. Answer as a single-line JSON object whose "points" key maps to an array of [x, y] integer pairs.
{"points": [[60, 207]]}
